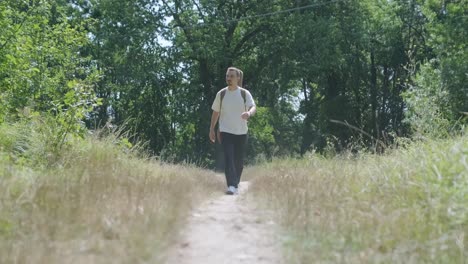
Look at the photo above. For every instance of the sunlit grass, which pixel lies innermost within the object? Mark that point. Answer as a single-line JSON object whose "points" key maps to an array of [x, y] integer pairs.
{"points": [[96, 204], [408, 206]]}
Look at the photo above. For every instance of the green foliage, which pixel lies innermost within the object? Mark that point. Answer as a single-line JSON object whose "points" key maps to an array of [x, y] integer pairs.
{"points": [[261, 139], [135, 84], [33, 141], [439, 98], [44, 72], [428, 105], [370, 64]]}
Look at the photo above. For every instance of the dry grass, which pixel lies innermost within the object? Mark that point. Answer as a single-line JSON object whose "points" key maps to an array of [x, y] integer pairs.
{"points": [[97, 205], [409, 206]]}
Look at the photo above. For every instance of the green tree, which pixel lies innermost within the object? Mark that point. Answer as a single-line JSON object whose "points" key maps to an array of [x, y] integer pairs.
{"points": [[42, 68], [136, 83], [438, 100]]}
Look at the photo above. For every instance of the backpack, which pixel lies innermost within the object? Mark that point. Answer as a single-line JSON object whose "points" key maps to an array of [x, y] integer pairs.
{"points": [[223, 93]]}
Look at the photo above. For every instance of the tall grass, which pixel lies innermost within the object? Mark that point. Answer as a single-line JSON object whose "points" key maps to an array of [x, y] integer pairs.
{"points": [[408, 206], [91, 203]]}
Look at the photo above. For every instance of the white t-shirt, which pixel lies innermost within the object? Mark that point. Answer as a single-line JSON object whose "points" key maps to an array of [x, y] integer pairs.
{"points": [[230, 120]]}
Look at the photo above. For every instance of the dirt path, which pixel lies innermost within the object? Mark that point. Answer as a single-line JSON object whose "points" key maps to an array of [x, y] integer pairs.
{"points": [[227, 229]]}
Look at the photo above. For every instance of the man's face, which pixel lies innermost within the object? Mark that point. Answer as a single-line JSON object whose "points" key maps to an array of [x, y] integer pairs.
{"points": [[231, 77]]}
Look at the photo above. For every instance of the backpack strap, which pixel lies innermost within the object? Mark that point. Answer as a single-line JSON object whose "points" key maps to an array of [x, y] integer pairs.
{"points": [[223, 93], [243, 93]]}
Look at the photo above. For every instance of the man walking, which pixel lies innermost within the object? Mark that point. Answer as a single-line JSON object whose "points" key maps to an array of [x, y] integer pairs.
{"points": [[233, 106]]}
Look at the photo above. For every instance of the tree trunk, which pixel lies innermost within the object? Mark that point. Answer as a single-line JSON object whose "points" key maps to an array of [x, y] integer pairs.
{"points": [[373, 92]]}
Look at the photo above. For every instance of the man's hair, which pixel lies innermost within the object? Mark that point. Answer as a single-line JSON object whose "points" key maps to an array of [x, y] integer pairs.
{"points": [[240, 74]]}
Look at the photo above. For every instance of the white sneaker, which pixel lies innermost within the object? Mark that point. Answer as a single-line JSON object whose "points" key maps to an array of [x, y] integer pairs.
{"points": [[231, 190]]}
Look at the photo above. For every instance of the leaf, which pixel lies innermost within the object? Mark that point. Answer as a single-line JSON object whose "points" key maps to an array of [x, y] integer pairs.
{"points": [[11, 58]]}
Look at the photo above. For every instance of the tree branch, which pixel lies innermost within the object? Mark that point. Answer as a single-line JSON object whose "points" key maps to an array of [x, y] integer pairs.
{"points": [[247, 37], [179, 23], [199, 10]]}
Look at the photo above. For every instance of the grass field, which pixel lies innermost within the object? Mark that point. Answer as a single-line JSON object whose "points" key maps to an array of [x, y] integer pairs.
{"points": [[407, 206], [100, 201], [96, 204]]}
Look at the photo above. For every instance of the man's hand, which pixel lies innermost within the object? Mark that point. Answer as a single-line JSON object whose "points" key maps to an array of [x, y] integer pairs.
{"points": [[212, 135], [245, 115]]}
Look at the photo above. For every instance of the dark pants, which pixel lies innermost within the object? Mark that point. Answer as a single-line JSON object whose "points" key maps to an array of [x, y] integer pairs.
{"points": [[233, 146]]}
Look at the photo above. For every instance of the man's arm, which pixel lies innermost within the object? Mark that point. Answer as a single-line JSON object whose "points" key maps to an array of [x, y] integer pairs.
{"points": [[214, 120], [252, 110]]}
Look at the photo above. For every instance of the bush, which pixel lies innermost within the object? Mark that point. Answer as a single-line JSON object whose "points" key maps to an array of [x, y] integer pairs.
{"points": [[428, 111]]}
